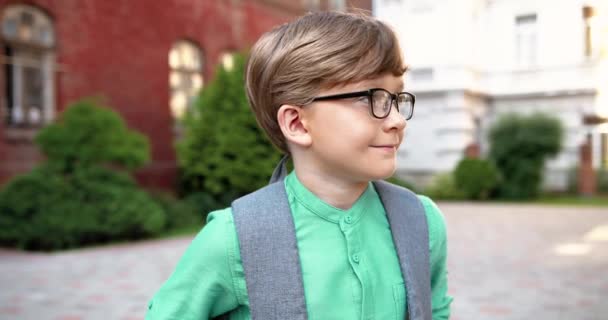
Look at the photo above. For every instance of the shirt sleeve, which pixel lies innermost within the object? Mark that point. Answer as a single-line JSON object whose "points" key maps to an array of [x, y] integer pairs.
{"points": [[440, 300], [201, 286]]}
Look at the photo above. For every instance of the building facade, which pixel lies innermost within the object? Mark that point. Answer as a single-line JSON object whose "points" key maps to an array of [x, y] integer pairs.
{"points": [[474, 60], [146, 59]]}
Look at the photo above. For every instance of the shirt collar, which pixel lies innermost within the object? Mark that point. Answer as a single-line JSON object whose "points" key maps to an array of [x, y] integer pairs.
{"points": [[324, 210]]}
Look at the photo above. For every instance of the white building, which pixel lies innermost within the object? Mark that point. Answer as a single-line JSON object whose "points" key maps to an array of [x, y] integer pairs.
{"points": [[472, 60]]}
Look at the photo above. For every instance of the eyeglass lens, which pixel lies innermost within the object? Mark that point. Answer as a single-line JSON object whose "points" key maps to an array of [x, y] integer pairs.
{"points": [[382, 104]]}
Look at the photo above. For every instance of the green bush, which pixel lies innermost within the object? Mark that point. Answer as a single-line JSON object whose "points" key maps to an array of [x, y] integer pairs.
{"points": [[223, 152], [44, 210], [442, 187], [89, 135], [519, 148], [181, 213], [400, 182], [83, 193], [476, 178]]}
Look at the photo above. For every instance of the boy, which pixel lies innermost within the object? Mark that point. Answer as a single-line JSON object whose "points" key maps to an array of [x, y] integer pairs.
{"points": [[328, 90]]}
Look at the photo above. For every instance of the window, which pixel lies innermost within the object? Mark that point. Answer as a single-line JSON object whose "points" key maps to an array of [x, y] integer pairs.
{"points": [[588, 14], [525, 42], [28, 63], [422, 6], [338, 5], [227, 60], [422, 74], [185, 78]]}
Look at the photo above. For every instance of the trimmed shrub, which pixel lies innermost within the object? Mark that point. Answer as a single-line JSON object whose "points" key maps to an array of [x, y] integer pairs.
{"points": [[476, 178], [400, 182], [183, 212], [520, 146], [43, 210], [442, 187], [223, 152], [79, 196], [89, 135]]}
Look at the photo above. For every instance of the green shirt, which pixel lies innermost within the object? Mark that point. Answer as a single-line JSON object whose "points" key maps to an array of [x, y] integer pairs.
{"points": [[350, 267]]}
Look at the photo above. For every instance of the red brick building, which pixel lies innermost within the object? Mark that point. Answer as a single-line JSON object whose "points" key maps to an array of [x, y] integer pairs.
{"points": [[147, 59]]}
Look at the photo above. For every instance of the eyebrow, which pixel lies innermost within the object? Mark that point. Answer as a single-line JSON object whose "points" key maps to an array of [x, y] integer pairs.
{"points": [[401, 87]]}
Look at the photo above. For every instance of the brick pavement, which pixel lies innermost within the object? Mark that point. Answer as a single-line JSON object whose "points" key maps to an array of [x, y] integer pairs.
{"points": [[505, 262]]}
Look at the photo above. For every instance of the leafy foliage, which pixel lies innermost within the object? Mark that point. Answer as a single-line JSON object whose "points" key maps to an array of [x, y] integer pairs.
{"points": [[476, 178], [224, 153], [75, 198], [443, 187], [44, 210], [400, 182], [519, 147], [88, 135]]}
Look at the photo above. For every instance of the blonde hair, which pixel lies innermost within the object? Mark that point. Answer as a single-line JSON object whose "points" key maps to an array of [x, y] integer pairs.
{"points": [[291, 63]]}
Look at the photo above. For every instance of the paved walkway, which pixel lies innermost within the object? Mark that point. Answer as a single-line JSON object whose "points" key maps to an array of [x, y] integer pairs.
{"points": [[505, 262]]}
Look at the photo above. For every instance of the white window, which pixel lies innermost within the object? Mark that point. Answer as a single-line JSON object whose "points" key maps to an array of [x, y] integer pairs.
{"points": [[29, 66], [422, 6], [421, 74], [185, 77], [525, 40], [338, 5], [227, 60]]}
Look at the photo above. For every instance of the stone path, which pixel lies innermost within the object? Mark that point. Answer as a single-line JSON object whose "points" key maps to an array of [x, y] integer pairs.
{"points": [[527, 262], [505, 262]]}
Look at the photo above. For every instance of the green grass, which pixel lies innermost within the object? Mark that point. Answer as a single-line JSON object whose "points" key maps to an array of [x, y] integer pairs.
{"points": [[571, 200], [191, 230]]}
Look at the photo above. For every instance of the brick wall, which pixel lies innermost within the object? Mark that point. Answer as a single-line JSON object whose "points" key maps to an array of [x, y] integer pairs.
{"points": [[119, 50]]}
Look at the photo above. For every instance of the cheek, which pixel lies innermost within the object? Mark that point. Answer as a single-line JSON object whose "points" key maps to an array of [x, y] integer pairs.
{"points": [[342, 128], [355, 128]]}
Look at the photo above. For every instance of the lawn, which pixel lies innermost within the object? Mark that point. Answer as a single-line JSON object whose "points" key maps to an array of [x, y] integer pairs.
{"points": [[592, 201]]}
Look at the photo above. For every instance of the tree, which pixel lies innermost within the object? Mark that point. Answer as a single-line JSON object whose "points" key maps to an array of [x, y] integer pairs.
{"points": [[223, 151]]}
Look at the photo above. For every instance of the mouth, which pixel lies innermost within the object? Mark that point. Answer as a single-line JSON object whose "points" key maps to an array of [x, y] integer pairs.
{"points": [[385, 147]]}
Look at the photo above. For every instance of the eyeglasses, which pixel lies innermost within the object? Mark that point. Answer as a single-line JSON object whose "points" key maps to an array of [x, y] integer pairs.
{"points": [[380, 101]]}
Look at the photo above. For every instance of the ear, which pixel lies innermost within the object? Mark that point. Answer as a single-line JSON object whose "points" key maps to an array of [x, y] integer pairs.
{"points": [[293, 125]]}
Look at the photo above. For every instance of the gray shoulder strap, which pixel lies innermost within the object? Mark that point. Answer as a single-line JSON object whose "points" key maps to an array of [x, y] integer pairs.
{"points": [[269, 252], [409, 228]]}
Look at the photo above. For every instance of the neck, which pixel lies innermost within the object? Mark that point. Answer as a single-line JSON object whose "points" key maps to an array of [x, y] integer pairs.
{"points": [[335, 191]]}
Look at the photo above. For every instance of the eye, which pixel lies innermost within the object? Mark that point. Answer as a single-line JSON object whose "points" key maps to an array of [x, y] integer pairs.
{"points": [[362, 100]]}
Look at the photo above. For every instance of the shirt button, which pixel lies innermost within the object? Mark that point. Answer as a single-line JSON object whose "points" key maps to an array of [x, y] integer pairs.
{"points": [[348, 219], [356, 258]]}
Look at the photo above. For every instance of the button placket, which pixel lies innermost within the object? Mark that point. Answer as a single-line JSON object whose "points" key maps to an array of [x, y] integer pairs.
{"points": [[353, 245], [353, 241]]}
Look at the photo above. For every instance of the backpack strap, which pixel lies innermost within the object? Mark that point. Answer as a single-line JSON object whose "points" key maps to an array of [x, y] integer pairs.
{"points": [[409, 227], [269, 251]]}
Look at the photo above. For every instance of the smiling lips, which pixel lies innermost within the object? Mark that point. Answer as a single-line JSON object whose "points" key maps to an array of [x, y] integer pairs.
{"points": [[386, 147]]}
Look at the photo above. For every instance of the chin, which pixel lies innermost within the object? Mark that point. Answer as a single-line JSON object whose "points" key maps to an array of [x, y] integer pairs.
{"points": [[382, 173]]}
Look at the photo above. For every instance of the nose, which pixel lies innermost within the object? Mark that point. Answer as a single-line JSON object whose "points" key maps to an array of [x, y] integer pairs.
{"points": [[394, 121]]}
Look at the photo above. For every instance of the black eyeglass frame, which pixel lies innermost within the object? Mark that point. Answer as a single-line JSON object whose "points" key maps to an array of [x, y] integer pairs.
{"points": [[370, 93]]}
